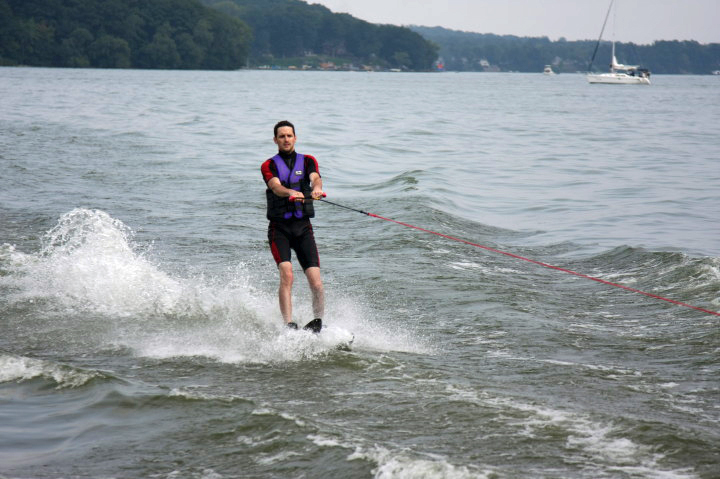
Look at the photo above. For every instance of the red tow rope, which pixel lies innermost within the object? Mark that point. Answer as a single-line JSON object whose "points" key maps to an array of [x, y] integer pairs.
{"points": [[564, 270]]}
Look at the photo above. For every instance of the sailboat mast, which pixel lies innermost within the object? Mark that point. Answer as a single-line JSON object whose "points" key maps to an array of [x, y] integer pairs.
{"points": [[613, 62], [607, 15]]}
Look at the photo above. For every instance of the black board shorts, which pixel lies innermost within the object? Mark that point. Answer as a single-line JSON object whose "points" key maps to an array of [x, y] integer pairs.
{"points": [[296, 235]]}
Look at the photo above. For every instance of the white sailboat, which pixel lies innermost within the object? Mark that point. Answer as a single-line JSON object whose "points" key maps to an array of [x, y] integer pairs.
{"points": [[619, 74]]}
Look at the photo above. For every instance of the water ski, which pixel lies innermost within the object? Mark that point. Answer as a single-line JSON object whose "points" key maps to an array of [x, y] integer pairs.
{"points": [[315, 326]]}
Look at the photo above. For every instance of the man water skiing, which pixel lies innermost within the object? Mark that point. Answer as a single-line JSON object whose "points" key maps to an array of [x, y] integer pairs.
{"points": [[290, 174]]}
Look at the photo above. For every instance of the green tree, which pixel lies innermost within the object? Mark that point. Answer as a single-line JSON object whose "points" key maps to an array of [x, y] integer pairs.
{"points": [[110, 52], [230, 45], [74, 50], [192, 55], [161, 52]]}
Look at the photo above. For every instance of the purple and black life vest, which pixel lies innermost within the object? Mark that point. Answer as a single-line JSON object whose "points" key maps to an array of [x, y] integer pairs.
{"points": [[282, 208]]}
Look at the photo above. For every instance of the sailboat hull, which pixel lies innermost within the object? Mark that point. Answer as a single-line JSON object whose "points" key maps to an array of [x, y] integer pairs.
{"points": [[617, 79]]}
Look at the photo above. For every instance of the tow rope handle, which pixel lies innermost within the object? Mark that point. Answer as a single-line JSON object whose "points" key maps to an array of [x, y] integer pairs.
{"points": [[293, 199]]}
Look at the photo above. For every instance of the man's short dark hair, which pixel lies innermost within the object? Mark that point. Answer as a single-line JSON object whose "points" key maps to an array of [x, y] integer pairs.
{"points": [[280, 124]]}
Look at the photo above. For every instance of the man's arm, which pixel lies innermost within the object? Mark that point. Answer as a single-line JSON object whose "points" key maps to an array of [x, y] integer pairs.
{"points": [[274, 183], [276, 186], [316, 182]]}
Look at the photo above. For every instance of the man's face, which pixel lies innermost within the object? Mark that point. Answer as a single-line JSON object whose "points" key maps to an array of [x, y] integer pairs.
{"points": [[285, 139]]}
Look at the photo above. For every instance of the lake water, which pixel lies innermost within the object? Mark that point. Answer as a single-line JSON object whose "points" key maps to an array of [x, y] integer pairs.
{"points": [[140, 330]]}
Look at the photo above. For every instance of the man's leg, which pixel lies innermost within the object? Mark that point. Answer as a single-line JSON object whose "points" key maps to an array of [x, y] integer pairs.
{"points": [[318, 292], [285, 292]]}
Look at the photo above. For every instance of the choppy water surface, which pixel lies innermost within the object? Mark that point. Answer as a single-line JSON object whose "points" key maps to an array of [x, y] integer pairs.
{"points": [[140, 331]]}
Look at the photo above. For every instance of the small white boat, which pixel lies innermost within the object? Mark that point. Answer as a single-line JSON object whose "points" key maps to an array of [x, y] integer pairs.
{"points": [[619, 74], [548, 70]]}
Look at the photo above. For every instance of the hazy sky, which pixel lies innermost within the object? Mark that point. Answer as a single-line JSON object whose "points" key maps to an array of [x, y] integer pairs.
{"points": [[639, 21]]}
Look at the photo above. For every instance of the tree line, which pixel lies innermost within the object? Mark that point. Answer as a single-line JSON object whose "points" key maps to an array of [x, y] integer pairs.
{"points": [[466, 51], [120, 34], [190, 34]]}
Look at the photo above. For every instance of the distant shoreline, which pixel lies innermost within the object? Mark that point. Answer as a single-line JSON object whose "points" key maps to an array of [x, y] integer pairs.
{"points": [[339, 70]]}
